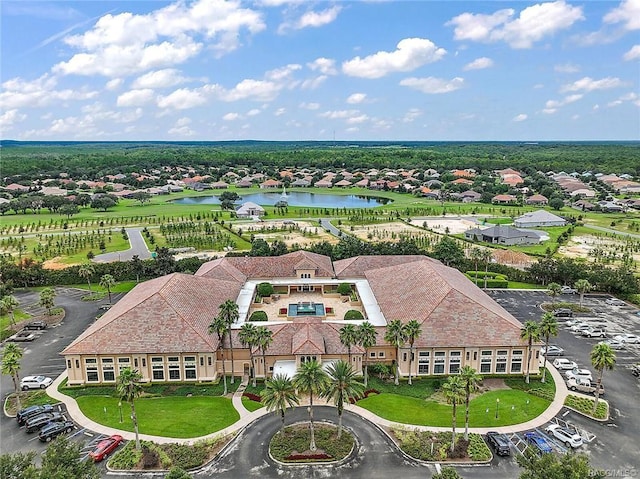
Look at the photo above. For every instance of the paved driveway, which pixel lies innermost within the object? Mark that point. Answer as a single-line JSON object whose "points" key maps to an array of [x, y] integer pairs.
{"points": [[138, 248]]}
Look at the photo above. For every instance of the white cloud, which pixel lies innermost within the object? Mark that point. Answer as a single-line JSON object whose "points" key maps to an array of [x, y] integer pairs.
{"points": [[551, 106], [257, 90], [136, 97], [520, 117], [433, 85], [181, 127], [339, 114], [114, 84], [159, 79], [411, 115], [254, 112], [310, 106], [410, 54], [533, 24], [627, 97], [589, 84], [628, 13], [357, 119], [567, 68], [356, 98], [318, 19], [633, 53], [19, 93], [280, 112], [232, 117], [326, 66], [479, 64], [313, 83], [183, 99], [11, 117], [283, 73]]}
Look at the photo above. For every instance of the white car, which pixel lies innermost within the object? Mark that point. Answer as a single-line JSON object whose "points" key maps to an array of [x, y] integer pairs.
{"points": [[579, 373], [613, 343], [578, 328], [615, 302], [628, 338], [564, 364], [567, 437], [568, 290], [553, 351], [35, 382]]}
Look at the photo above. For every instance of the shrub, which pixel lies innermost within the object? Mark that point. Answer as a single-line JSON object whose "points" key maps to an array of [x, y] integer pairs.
{"points": [[258, 316], [344, 289], [178, 473], [265, 289], [478, 450], [308, 457], [585, 406], [447, 472], [253, 397], [353, 314], [150, 458], [184, 456]]}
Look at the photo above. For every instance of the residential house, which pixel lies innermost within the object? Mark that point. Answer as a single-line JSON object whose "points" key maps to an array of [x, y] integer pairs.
{"points": [[539, 200], [538, 218], [502, 234], [249, 210], [504, 199]]}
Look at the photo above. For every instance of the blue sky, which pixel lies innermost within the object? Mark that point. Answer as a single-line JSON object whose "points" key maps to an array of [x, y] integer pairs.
{"points": [[306, 70]]}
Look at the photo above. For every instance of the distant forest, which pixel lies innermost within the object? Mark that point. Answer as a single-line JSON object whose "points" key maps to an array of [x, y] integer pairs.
{"points": [[89, 160]]}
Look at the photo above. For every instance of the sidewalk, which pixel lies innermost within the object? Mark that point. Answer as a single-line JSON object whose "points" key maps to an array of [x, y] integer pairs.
{"points": [[247, 417]]}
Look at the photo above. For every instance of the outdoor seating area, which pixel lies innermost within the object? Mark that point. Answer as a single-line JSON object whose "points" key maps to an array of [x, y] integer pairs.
{"points": [[305, 304]]}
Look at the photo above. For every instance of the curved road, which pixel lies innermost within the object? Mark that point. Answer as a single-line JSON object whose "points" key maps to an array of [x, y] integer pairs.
{"points": [[138, 248]]}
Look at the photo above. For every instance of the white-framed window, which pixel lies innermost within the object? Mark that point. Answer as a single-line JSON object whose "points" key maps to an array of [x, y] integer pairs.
{"points": [[157, 368], [381, 354], [423, 362], [485, 361], [438, 362], [190, 367], [174, 368], [123, 363], [91, 368], [516, 365], [108, 370], [372, 354], [501, 361], [454, 362]]}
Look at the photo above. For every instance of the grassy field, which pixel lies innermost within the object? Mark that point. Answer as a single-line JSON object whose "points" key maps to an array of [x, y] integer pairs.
{"points": [[5, 319], [251, 405], [179, 417]]}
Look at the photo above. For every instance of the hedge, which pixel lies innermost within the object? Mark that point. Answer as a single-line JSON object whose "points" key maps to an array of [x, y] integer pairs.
{"points": [[353, 314], [258, 316], [494, 280]]}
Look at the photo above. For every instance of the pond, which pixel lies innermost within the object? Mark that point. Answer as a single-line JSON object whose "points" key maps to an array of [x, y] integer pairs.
{"points": [[296, 199]]}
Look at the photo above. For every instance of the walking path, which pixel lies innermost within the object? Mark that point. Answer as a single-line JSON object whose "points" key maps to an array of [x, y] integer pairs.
{"points": [[247, 417]]}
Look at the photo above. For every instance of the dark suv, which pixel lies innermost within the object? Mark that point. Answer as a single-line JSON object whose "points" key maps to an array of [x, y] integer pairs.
{"points": [[31, 411], [54, 429], [499, 442], [39, 324], [563, 313], [36, 422]]}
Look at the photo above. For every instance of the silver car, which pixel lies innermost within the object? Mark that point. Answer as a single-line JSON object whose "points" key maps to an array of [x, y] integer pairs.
{"points": [[567, 437]]}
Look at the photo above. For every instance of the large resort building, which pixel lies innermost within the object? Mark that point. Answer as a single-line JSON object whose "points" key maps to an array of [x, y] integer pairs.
{"points": [[161, 327]]}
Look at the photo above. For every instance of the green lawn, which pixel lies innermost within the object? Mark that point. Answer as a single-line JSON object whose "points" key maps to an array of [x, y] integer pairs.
{"points": [[251, 405], [512, 409], [5, 319], [519, 285], [179, 417]]}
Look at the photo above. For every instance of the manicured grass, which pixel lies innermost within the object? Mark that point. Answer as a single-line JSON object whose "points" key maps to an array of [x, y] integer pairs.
{"points": [[33, 398], [421, 388], [251, 405], [153, 390], [5, 319], [179, 417], [519, 285], [512, 409]]}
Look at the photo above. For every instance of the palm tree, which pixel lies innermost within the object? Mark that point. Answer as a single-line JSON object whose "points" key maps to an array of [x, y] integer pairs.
{"points": [[342, 386], [548, 327], [47, 297], [220, 328], [128, 388], [471, 381], [453, 389], [279, 394], [86, 271], [311, 378], [229, 311], [476, 256], [395, 337], [264, 338], [582, 286], [8, 305], [247, 337], [107, 281], [485, 255], [554, 290], [602, 357], [367, 339], [529, 333], [11, 356], [348, 337], [411, 332]]}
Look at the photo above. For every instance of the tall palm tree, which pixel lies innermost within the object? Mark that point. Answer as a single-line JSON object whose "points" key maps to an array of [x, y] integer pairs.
{"points": [[8, 305], [471, 381], [548, 327], [453, 390], [86, 271], [264, 338], [229, 311], [348, 337], [476, 256], [128, 388], [220, 328], [411, 332], [529, 333], [582, 286], [342, 386], [602, 357], [485, 256], [311, 378], [11, 356], [554, 290], [367, 339], [107, 282], [279, 394], [395, 337], [247, 337], [47, 299]]}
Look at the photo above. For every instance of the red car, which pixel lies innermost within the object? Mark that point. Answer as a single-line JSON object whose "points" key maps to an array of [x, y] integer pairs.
{"points": [[105, 447]]}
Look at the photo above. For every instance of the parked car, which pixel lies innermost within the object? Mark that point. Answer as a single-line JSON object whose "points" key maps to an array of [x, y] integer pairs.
{"points": [[615, 302], [635, 370], [104, 307], [564, 364], [568, 290], [628, 338], [22, 336], [105, 447], [35, 382], [579, 327], [564, 435], [595, 331], [54, 429], [563, 313], [553, 351], [36, 325], [36, 422], [579, 373], [584, 386], [499, 442], [31, 411], [613, 343], [537, 441]]}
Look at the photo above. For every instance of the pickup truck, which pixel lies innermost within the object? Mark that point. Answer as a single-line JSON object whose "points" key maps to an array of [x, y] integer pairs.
{"points": [[583, 385]]}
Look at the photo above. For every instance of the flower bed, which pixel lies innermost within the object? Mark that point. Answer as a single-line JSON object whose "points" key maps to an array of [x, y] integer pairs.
{"points": [[584, 406], [253, 397], [292, 444], [436, 446]]}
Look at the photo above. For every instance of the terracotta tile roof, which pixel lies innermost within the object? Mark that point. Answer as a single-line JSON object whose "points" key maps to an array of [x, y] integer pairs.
{"points": [[308, 339], [282, 266], [356, 267], [167, 314], [221, 269], [307, 336]]}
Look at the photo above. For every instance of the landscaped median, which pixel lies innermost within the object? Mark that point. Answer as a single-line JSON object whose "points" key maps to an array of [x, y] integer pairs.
{"points": [[584, 405]]}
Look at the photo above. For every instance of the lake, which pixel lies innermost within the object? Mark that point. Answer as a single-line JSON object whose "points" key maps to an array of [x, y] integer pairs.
{"points": [[295, 198]]}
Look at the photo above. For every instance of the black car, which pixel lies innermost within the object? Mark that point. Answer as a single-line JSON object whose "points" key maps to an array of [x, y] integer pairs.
{"points": [[563, 313], [54, 429], [36, 325], [499, 442], [36, 422], [31, 411]]}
